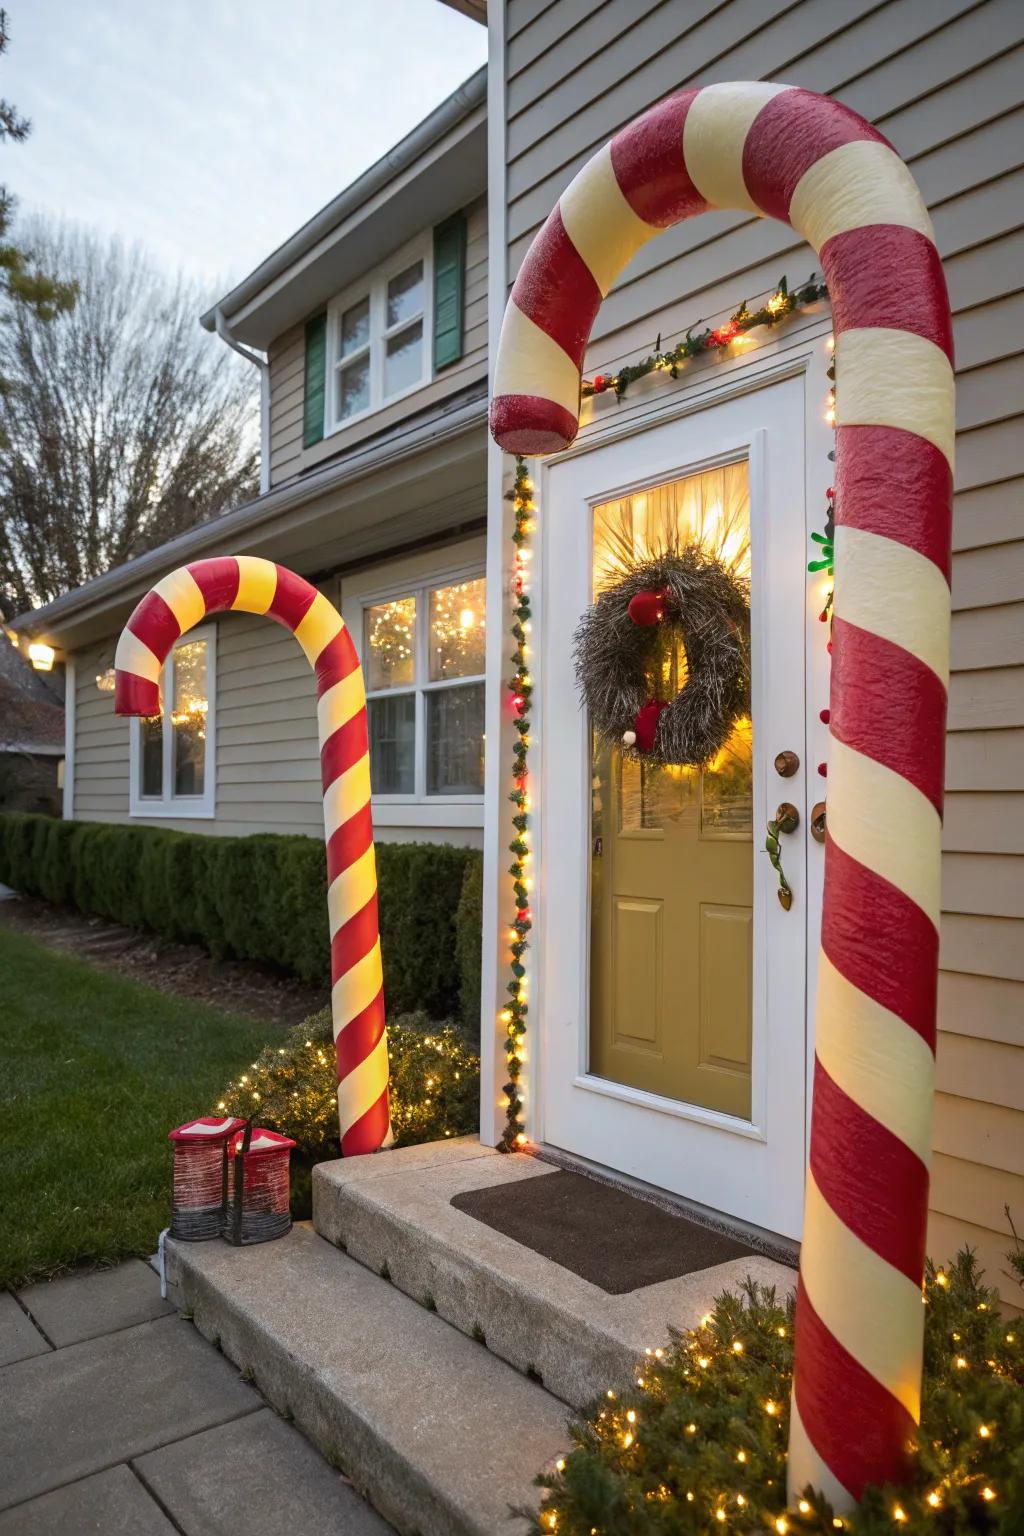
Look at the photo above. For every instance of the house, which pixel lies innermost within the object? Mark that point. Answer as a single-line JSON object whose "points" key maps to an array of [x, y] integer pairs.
{"points": [[31, 737], [368, 327], [668, 1041]]}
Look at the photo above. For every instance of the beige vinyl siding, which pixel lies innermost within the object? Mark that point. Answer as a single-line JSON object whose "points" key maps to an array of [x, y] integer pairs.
{"points": [[941, 79], [287, 368]]}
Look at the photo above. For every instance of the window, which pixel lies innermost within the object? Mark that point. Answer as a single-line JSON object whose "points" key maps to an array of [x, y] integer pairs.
{"points": [[423, 658], [172, 754], [380, 336]]}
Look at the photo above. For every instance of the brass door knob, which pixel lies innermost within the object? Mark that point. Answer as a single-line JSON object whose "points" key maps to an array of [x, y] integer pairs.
{"points": [[786, 764], [818, 822], [787, 817]]}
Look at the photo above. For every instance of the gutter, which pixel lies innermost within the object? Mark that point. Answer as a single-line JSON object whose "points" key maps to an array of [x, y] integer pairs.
{"points": [[471, 94], [253, 515], [260, 362]]}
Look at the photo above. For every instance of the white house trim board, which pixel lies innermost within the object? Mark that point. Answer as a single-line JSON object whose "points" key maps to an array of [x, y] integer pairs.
{"points": [[70, 701], [497, 810]]}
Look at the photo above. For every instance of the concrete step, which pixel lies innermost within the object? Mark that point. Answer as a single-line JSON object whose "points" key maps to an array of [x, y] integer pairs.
{"points": [[436, 1432], [394, 1214]]}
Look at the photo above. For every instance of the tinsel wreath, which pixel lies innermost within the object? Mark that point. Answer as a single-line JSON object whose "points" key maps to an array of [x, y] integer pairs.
{"points": [[620, 656]]}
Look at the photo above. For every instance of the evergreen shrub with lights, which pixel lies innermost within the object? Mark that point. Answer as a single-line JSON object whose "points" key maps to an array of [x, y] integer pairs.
{"points": [[699, 1444], [292, 1088]]}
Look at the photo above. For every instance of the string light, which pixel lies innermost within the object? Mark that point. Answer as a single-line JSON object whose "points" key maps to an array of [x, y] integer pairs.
{"points": [[520, 686], [780, 304]]}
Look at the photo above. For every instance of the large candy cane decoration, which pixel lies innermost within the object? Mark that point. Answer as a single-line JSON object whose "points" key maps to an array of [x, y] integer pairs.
{"points": [[802, 158], [249, 585]]}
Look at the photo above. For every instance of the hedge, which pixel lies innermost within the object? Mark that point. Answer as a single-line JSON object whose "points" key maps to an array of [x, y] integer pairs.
{"points": [[262, 898]]}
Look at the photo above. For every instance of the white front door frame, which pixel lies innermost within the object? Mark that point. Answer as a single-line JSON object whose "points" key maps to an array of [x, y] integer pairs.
{"points": [[800, 347]]}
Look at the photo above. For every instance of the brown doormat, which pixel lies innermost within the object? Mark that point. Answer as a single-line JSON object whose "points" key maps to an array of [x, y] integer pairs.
{"points": [[599, 1232]]}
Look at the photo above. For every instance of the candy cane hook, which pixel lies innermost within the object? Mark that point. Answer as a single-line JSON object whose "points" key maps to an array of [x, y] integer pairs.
{"points": [[805, 159], [249, 585]]}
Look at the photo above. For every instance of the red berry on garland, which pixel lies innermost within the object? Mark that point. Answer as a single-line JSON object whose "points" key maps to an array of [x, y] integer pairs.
{"points": [[646, 726], [647, 608], [601, 382]]}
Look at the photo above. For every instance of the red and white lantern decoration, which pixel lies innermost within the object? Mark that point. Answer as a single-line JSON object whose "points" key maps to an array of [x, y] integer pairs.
{"points": [[199, 1176], [257, 1186]]}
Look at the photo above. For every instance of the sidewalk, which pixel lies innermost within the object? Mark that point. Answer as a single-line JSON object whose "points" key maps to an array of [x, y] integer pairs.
{"points": [[121, 1420]]}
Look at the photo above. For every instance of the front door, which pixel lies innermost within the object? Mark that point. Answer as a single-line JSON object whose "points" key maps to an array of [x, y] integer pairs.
{"points": [[672, 994]]}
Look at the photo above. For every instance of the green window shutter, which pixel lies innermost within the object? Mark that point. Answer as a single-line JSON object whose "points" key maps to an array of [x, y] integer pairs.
{"points": [[449, 288], [316, 380]]}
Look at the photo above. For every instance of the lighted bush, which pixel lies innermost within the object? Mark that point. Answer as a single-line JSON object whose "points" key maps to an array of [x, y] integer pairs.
{"points": [[699, 1444], [291, 1088]]}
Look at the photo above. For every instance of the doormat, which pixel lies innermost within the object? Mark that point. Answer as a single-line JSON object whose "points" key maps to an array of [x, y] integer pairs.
{"points": [[600, 1233]]}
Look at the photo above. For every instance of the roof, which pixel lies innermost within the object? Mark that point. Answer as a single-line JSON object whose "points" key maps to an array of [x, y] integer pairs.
{"points": [[438, 167]]}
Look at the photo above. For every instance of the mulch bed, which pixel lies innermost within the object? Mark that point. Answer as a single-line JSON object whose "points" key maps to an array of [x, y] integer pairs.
{"points": [[184, 970]]}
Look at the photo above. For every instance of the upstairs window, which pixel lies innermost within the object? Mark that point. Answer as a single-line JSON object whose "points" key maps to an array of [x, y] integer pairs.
{"points": [[423, 658], [172, 754], [379, 336]]}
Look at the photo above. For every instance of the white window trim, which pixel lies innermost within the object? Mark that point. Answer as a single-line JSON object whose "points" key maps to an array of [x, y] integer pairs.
{"points": [[420, 587], [374, 287], [179, 807]]}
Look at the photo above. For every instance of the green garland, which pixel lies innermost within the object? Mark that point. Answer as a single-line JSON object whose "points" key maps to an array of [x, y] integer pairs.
{"points": [[513, 1015], [779, 307]]}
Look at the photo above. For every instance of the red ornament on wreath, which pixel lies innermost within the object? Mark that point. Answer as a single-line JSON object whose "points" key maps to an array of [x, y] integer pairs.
{"points": [[646, 726], [647, 608]]}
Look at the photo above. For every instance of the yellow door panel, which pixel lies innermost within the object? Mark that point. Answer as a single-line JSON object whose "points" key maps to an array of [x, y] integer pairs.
{"points": [[672, 872]]}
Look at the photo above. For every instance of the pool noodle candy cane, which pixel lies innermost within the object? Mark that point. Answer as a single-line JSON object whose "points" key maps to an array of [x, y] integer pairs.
{"points": [[247, 584], [805, 159]]}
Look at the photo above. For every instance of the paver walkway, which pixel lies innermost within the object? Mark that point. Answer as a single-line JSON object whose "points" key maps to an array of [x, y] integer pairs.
{"points": [[119, 1419]]}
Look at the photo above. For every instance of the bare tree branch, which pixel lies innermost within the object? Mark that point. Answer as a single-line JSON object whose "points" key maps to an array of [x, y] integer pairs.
{"points": [[121, 422]]}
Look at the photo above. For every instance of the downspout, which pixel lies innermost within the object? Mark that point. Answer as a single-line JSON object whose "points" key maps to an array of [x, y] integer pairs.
{"points": [[263, 365]]}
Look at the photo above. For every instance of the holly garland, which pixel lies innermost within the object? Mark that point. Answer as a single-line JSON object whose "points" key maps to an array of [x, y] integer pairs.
{"points": [[513, 1015], [779, 307]]}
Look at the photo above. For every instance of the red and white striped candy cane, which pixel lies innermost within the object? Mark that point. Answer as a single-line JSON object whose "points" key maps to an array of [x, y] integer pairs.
{"points": [[246, 584], [800, 157]]}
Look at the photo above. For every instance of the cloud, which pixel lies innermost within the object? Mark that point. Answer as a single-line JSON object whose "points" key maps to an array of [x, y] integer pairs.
{"points": [[209, 130]]}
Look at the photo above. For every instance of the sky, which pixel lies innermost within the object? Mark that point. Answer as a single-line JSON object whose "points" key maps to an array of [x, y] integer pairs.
{"points": [[209, 130]]}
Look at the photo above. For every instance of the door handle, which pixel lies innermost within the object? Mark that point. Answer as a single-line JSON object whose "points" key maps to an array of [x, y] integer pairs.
{"points": [[786, 819]]}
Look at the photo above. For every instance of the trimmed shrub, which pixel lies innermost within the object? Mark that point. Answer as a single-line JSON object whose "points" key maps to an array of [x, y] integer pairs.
{"points": [[263, 898], [469, 923]]}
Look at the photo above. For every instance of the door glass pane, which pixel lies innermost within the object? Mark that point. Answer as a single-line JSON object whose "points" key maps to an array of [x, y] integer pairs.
{"points": [[672, 846], [457, 630], [403, 360], [405, 295], [355, 327], [188, 717], [392, 725], [455, 740], [354, 387], [151, 739], [389, 644]]}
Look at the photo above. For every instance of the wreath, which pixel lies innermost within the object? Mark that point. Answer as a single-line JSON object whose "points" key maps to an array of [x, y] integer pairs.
{"points": [[625, 643]]}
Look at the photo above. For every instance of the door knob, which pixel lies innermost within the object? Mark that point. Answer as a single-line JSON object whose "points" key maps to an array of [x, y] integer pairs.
{"points": [[787, 817], [786, 764], [818, 821]]}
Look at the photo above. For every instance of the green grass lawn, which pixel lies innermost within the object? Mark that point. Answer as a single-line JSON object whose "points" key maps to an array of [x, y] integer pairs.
{"points": [[94, 1072]]}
